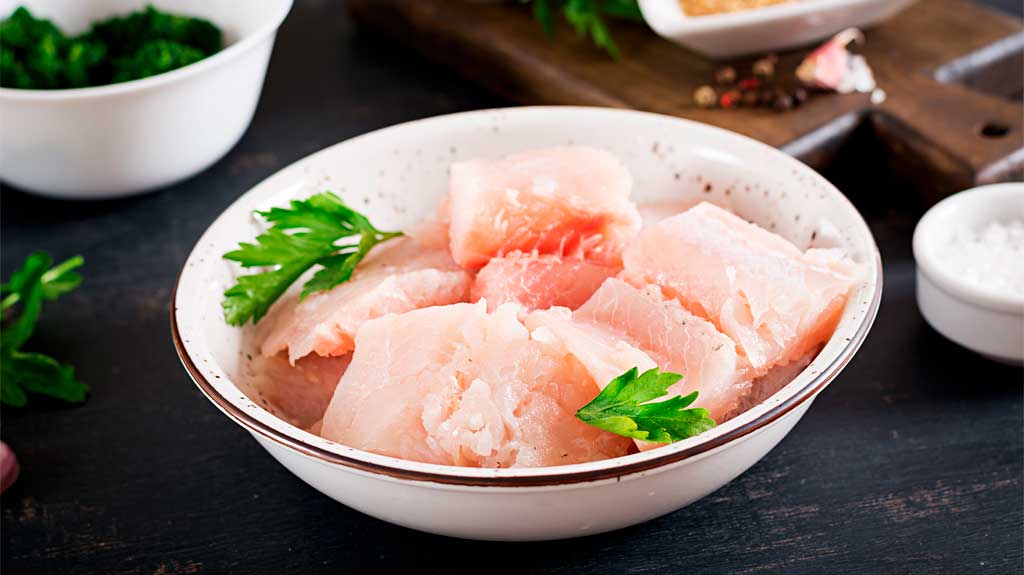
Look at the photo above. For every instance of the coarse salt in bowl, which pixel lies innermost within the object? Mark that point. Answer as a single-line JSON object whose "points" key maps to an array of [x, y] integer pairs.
{"points": [[969, 250]]}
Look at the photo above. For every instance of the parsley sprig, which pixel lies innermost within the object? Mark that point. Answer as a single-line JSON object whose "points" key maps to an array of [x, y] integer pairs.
{"points": [[300, 237], [625, 408], [28, 372], [587, 18]]}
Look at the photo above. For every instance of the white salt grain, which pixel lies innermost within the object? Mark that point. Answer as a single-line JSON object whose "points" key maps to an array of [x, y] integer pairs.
{"points": [[990, 258]]}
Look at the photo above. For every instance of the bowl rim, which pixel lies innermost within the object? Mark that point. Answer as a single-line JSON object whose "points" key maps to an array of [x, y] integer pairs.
{"points": [[928, 263], [224, 56], [545, 476]]}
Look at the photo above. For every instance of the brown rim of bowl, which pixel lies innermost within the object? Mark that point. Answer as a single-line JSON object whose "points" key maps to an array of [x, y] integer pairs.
{"points": [[253, 425]]}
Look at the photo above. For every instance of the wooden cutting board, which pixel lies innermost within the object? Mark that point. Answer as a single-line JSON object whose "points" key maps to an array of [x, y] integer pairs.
{"points": [[952, 72]]}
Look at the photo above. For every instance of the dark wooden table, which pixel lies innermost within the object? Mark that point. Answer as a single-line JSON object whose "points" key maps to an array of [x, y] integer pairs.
{"points": [[910, 462]]}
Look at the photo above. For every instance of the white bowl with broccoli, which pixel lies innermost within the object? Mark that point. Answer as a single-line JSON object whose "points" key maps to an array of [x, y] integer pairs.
{"points": [[99, 122]]}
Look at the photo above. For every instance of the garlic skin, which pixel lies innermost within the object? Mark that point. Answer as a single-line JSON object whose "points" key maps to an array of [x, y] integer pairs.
{"points": [[9, 468]]}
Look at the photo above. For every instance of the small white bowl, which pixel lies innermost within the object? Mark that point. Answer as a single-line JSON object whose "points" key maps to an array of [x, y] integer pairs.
{"points": [[127, 138], [397, 176], [776, 27], [991, 324]]}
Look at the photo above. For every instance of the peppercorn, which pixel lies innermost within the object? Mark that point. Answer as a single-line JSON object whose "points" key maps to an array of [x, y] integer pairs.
{"points": [[783, 101], [725, 76], [749, 83], [705, 97], [729, 99], [799, 96]]}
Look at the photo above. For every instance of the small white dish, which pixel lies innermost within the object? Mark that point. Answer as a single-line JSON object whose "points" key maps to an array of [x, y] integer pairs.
{"points": [[397, 176], [776, 27], [132, 137], [991, 324]]}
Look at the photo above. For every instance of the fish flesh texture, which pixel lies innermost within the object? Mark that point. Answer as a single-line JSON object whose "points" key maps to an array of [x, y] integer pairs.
{"points": [[539, 281], [458, 385], [676, 340], [563, 201], [395, 277], [775, 301]]}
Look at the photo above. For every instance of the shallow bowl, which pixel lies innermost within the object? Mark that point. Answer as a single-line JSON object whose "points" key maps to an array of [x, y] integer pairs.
{"points": [[776, 27], [397, 176], [132, 137], [991, 324]]}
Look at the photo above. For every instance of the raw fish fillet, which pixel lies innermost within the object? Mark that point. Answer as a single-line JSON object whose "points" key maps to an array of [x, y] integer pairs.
{"points": [[775, 301], [397, 276], [539, 281], [431, 233], [777, 377], [457, 385], [570, 200], [298, 393], [606, 352], [676, 340], [602, 352]]}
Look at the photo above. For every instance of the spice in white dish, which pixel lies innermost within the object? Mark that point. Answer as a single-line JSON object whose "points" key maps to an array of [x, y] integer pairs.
{"points": [[990, 258]]}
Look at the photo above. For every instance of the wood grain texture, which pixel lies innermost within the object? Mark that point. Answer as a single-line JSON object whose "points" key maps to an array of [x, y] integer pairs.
{"points": [[499, 46], [910, 462]]}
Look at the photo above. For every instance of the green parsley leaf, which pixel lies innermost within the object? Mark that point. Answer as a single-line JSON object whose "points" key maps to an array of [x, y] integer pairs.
{"points": [[304, 235], [624, 407], [625, 9], [22, 372], [543, 15], [587, 18]]}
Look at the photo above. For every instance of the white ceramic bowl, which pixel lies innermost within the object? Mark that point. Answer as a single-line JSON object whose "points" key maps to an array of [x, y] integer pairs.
{"points": [[132, 137], [397, 176], [991, 324], [776, 27]]}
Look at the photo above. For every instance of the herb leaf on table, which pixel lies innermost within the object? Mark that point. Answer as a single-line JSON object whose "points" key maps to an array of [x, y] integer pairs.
{"points": [[304, 235], [587, 18], [625, 408], [20, 371]]}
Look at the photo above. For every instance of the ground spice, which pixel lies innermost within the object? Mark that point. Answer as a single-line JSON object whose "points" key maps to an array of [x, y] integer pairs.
{"points": [[705, 7]]}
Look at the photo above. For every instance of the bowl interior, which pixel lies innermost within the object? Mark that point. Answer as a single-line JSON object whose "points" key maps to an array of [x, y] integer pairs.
{"points": [[398, 175], [76, 17]]}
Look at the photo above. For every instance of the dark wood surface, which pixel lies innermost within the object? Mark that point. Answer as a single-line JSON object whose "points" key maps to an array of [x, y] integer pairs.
{"points": [[912, 461], [923, 57]]}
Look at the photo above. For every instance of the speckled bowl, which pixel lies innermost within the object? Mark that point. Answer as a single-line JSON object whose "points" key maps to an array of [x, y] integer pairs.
{"points": [[397, 176]]}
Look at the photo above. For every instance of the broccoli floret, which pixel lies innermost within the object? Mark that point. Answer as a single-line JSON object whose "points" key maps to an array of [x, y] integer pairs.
{"points": [[36, 46], [13, 73], [195, 32], [22, 30], [155, 57], [127, 34], [35, 54], [85, 65]]}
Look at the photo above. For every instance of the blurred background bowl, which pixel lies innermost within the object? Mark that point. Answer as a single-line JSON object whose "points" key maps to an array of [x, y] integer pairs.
{"points": [[132, 137], [776, 27]]}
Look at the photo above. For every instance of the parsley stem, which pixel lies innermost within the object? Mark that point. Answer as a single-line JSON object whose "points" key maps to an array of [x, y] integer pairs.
{"points": [[10, 301], [62, 268], [48, 276]]}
